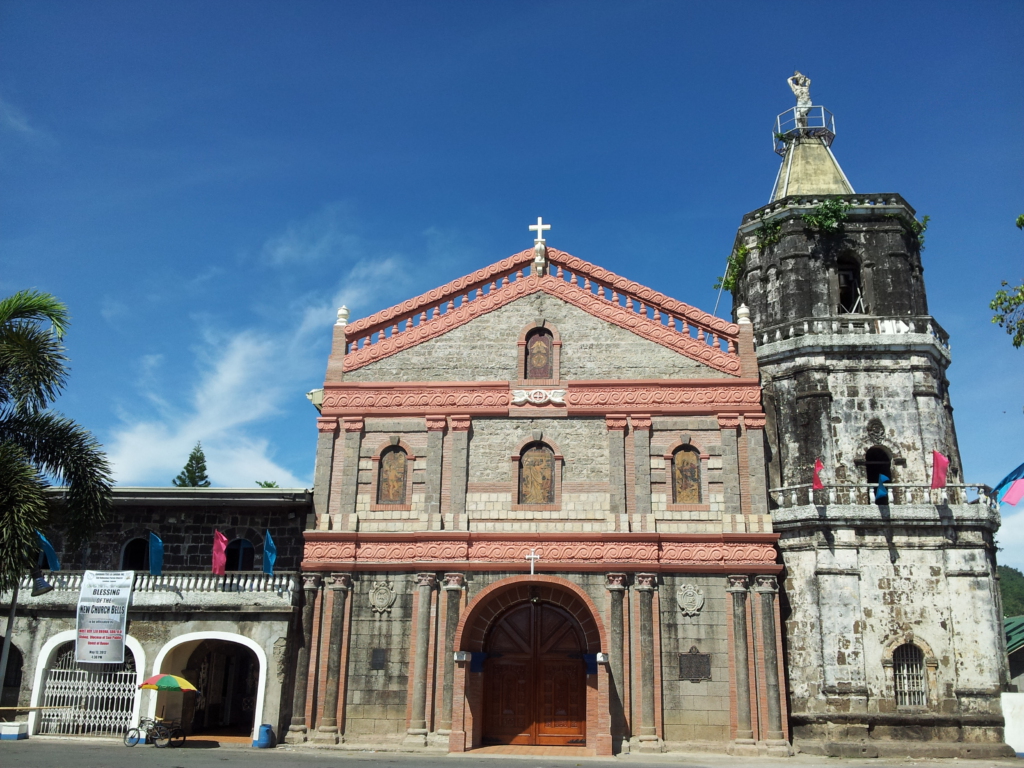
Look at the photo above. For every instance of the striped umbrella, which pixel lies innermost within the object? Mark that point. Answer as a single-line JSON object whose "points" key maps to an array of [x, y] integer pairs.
{"points": [[167, 683]]}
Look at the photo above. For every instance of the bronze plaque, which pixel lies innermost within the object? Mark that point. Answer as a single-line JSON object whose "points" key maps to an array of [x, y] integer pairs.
{"points": [[694, 666]]}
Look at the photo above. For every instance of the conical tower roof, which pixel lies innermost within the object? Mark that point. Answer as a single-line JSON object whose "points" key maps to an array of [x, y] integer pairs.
{"points": [[803, 136]]}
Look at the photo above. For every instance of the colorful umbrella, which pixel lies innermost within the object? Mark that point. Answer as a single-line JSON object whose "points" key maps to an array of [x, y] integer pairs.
{"points": [[167, 683]]}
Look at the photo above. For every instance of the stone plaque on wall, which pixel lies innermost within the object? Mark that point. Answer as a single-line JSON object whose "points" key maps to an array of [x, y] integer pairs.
{"points": [[694, 666]]}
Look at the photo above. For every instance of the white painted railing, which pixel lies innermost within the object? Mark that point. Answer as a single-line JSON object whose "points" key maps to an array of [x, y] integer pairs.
{"points": [[898, 493], [185, 581], [854, 325]]}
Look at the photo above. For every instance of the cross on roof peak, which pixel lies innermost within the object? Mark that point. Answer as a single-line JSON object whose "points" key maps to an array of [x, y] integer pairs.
{"points": [[540, 228]]}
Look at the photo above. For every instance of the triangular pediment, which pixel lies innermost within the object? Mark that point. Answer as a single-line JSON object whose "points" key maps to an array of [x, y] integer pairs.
{"points": [[640, 310]]}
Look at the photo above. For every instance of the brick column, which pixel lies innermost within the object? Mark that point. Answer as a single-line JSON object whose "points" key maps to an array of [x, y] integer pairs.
{"points": [[460, 471], [297, 729], [615, 583], [744, 743], [642, 469], [350, 471], [646, 583], [435, 454], [616, 425], [767, 587], [729, 423], [327, 732], [753, 428], [453, 590], [327, 432], [416, 733]]}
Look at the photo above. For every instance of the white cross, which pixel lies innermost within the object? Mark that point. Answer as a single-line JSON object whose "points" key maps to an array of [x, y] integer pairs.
{"points": [[533, 557], [540, 227]]}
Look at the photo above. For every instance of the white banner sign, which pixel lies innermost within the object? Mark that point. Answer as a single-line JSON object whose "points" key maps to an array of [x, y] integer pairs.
{"points": [[102, 616]]}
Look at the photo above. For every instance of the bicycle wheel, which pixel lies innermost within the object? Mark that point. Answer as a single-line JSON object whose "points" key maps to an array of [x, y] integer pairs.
{"points": [[161, 736], [177, 737], [133, 737]]}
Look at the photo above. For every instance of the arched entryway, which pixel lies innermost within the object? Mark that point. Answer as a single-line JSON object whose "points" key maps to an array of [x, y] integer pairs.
{"points": [[529, 647], [535, 677]]}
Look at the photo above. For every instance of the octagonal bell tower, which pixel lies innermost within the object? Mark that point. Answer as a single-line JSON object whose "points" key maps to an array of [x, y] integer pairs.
{"points": [[894, 623]]}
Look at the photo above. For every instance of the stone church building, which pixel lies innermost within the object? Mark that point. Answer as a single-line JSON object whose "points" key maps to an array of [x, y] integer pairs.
{"points": [[555, 507]]}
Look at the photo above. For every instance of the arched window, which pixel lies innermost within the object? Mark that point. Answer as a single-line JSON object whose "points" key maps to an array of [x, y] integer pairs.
{"points": [[391, 477], [851, 295], [135, 556], [908, 671], [540, 355], [685, 476], [537, 475], [878, 463], [241, 556]]}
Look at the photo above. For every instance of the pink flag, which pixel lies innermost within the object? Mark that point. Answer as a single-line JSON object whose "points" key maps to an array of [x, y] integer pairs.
{"points": [[220, 558], [817, 485], [1015, 493], [939, 466]]}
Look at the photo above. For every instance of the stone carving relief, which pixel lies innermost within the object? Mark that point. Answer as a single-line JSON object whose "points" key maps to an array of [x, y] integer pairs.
{"points": [[538, 396], [690, 599], [876, 430], [382, 597]]}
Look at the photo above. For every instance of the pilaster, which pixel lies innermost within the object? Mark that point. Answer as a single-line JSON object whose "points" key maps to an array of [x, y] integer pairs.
{"points": [[460, 426], [649, 741], [327, 434], [642, 469], [353, 426], [328, 732], [416, 733], [616, 425], [297, 729]]}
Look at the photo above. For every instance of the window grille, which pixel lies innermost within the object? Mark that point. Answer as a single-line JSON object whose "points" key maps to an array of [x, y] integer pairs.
{"points": [[908, 669], [94, 699]]}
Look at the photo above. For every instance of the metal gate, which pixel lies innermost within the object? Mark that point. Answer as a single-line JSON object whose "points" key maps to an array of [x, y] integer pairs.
{"points": [[94, 699]]}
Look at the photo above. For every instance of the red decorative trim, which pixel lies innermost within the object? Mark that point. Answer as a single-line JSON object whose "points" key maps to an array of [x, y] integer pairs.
{"points": [[327, 424], [431, 298], [648, 581], [641, 422], [647, 295], [728, 421], [753, 421], [712, 553], [461, 423], [601, 308], [436, 423], [616, 422], [494, 398], [353, 423]]}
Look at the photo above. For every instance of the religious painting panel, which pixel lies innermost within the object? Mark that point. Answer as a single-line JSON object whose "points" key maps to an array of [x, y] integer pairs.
{"points": [[686, 476], [537, 475], [540, 358], [392, 476]]}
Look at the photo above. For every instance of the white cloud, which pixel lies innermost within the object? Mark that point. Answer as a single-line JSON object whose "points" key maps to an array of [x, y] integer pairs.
{"points": [[326, 233], [14, 121], [1010, 538]]}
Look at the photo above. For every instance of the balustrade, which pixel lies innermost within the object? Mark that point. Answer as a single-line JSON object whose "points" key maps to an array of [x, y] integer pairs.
{"points": [[184, 581], [852, 325], [898, 494]]}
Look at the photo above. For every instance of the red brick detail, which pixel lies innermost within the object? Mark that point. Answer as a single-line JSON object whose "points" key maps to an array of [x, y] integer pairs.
{"points": [[353, 423], [436, 423], [616, 422], [327, 424], [753, 421], [641, 422], [461, 422], [728, 421], [313, 679]]}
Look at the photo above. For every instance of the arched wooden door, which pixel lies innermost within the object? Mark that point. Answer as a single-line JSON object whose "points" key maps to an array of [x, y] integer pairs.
{"points": [[534, 678]]}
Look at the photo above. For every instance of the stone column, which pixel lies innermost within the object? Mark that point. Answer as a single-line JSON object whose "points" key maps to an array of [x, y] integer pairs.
{"points": [[416, 733], [616, 585], [729, 423], [327, 732], [350, 472], [642, 469], [753, 427], [435, 455], [768, 587], [616, 425], [646, 583], [297, 729], [744, 743], [453, 590], [460, 471], [327, 432]]}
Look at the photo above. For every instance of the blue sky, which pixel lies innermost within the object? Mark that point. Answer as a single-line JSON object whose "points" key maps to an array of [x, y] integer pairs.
{"points": [[204, 183]]}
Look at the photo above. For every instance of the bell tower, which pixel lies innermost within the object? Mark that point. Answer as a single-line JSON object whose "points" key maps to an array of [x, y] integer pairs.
{"points": [[894, 620]]}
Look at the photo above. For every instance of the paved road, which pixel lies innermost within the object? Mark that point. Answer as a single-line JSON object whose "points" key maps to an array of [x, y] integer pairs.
{"points": [[87, 753]]}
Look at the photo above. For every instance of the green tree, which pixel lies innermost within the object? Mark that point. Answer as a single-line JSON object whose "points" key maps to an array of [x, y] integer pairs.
{"points": [[39, 446], [1011, 587], [267, 483], [194, 473], [1008, 306]]}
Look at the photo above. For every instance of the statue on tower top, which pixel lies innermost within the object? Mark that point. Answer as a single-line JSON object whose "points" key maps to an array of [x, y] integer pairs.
{"points": [[800, 84]]}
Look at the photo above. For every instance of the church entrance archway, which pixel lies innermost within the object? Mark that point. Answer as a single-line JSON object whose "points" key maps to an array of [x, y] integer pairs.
{"points": [[535, 678]]}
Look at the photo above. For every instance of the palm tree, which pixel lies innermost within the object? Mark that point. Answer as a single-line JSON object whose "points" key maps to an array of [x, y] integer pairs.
{"points": [[39, 446]]}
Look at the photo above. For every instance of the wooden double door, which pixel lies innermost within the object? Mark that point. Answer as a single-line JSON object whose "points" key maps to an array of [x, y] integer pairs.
{"points": [[535, 678]]}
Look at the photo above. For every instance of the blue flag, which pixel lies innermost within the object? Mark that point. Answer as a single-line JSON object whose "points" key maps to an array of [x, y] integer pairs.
{"points": [[51, 554], [881, 491], [269, 554], [156, 555]]}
